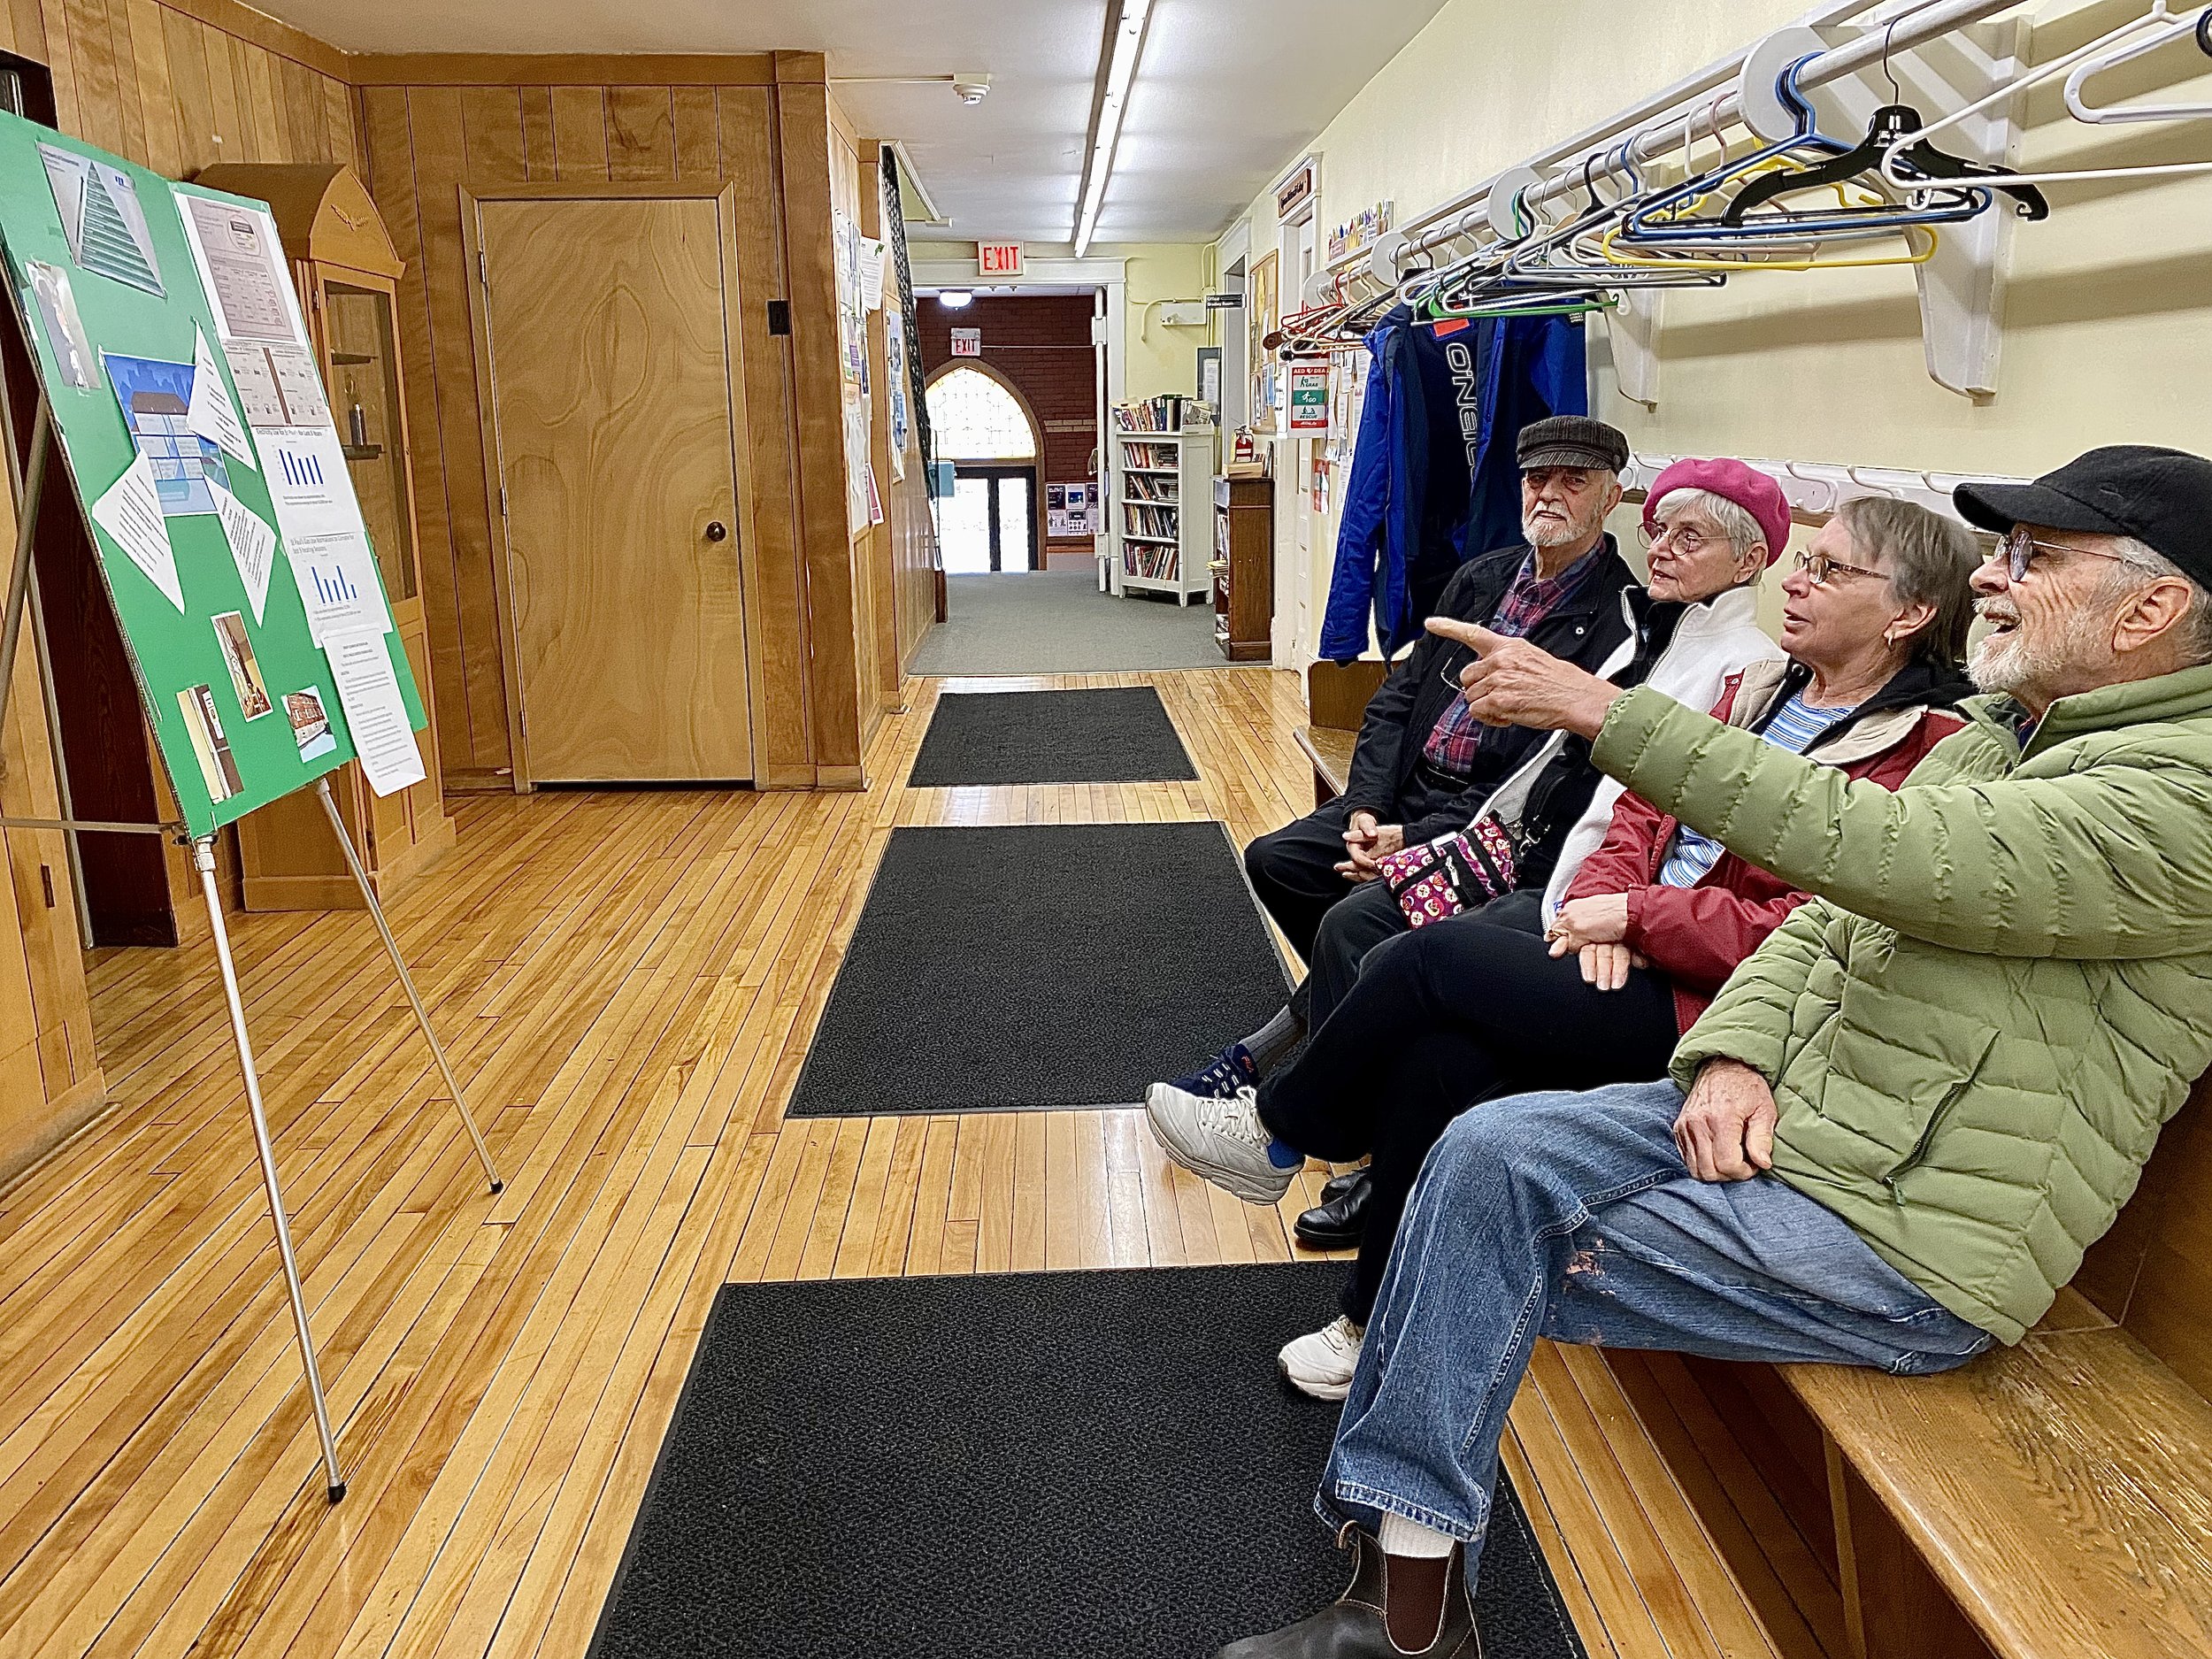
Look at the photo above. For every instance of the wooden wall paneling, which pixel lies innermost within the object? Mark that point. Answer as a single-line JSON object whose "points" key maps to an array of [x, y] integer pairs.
{"points": [[340, 117], [437, 119], [257, 86], [189, 93], [55, 22], [234, 132], [130, 104], [537, 134], [491, 125], [390, 173], [2171, 1294], [99, 96], [579, 133], [566, 69], [882, 645], [698, 141], [27, 25], [803, 127], [640, 134], [300, 111], [157, 87], [748, 133]]}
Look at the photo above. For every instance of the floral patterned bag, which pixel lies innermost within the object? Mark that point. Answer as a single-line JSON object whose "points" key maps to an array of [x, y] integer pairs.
{"points": [[1454, 874]]}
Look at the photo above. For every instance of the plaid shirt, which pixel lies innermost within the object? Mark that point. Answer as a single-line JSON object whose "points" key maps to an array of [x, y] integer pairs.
{"points": [[1456, 738]]}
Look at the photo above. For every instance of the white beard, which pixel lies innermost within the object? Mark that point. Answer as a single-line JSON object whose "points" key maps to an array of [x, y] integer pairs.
{"points": [[1546, 533]]}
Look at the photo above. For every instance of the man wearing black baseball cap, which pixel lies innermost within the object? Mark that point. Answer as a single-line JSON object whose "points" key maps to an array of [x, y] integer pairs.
{"points": [[2101, 574]]}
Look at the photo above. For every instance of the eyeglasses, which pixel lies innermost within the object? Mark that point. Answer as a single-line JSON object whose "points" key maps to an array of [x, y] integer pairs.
{"points": [[2019, 550], [1818, 567], [1688, 540]]}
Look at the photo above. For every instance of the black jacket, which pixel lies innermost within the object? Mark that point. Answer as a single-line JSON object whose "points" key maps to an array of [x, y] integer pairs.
{"points": [[1405, 709]]}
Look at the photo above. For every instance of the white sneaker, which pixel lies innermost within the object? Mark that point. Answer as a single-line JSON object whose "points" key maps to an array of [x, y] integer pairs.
{"points": [[1321, 1362], [1220, 1140]]}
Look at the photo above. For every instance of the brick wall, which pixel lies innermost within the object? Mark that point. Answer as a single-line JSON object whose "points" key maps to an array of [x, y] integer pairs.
{"points": [[1041, 344]]}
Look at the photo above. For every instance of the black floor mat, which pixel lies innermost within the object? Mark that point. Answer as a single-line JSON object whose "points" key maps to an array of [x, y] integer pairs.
{"points": [[992, 737], [1098, 1465], [1039, 965]]}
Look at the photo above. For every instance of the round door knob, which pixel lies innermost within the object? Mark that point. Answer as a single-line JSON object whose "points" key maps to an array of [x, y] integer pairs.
{"points": [[717, 530]]}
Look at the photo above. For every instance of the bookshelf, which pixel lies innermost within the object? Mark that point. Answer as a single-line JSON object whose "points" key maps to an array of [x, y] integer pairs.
{"points": [[1162, 522]]}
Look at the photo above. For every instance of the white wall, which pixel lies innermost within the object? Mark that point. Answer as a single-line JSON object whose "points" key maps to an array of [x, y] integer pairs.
{"points": [[2109, 319]]}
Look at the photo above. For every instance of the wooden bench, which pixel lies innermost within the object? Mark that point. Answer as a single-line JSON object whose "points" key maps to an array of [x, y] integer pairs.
{"points": [[2052, 1500], [1336, 701]]}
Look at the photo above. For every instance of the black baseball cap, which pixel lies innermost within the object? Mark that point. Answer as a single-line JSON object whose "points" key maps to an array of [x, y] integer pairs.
{"points": [[2162, 498], [1571, 440]]}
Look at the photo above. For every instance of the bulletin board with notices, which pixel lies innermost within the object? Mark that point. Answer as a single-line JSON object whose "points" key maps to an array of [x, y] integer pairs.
{"points": [[185, 395]]}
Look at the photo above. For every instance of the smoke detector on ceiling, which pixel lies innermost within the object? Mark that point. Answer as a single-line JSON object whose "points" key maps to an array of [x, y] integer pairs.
{"points": [[969, 86]]}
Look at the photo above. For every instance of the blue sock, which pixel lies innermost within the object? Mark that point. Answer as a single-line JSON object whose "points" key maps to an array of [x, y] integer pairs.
{"points": [[1283, 1156]]}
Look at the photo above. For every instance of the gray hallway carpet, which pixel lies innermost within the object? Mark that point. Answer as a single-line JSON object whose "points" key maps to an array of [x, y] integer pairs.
{"points": [[1056, 622]]}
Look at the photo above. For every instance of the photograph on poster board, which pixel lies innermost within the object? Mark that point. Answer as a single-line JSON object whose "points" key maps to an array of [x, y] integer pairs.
{"points": [[218, 767], [311, 722], [102, 218], [157, 400], [246, 282], [65, 329], [245, 673]]}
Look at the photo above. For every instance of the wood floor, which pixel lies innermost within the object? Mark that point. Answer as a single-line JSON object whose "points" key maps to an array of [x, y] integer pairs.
{"points": [[627, 983]]}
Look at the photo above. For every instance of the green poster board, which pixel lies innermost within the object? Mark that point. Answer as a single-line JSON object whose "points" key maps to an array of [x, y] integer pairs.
{"points": [[243, 710]]}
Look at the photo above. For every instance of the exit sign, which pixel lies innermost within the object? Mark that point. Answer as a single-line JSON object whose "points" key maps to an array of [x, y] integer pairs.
{"points": [[967, 342], [998, 258]]}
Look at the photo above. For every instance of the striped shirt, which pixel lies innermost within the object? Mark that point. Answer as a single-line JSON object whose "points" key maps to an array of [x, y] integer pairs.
{"points": [[1795, 727]]}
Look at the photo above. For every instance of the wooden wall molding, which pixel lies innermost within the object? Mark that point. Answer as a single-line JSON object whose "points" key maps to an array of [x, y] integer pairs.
{"points": [[561, 69], [271, 34]]}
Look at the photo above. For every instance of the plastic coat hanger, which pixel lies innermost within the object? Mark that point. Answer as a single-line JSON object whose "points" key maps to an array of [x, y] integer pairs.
{"points": [[1889, 133], [2083, 111]]}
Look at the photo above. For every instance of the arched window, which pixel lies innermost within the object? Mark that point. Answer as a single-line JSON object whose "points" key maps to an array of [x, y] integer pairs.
{"points": [[975, 418]]}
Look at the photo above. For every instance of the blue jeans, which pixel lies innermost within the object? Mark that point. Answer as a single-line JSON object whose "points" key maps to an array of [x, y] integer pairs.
{"points": [[1572, 1216]]}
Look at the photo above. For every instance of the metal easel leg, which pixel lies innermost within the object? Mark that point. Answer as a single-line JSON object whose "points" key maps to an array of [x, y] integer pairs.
{"points": [[203, 859], [407, 983], [25, 530]]}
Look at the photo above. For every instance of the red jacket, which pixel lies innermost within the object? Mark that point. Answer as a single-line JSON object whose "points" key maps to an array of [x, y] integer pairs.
{"points": [[1696, 935]]}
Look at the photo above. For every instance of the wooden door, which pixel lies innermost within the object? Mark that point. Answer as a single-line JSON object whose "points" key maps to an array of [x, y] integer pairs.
{"points": [[604, 323]]}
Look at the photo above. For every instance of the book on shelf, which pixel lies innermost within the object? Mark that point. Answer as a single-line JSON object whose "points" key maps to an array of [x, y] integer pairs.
{"points": [[1160, 457], [1151, 487], [1170, 412], [1152, 561], [1138, 519]]}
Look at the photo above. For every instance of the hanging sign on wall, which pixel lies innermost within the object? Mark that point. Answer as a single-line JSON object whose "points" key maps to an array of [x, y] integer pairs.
{"points": [[967, 342], [998, 258], [1309, 397]]}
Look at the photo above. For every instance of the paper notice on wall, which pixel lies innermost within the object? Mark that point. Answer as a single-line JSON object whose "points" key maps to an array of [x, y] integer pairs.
{"points": [[871, 262], [361, 666], [252, 548], [130, 512], [242, 266], [335, 574], [258, 395], [211, 415]]}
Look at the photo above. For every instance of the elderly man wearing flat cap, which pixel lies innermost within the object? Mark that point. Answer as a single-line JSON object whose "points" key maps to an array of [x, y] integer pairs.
{"points": [[1893, 1135], [1423, 764]]}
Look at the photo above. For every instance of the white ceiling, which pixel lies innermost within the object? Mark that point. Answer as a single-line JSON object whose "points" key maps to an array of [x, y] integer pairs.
{"points": [[1226, 93]]}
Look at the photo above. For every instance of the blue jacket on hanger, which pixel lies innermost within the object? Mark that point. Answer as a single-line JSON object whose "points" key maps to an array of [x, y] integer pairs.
{"points": [[1430, 484]]}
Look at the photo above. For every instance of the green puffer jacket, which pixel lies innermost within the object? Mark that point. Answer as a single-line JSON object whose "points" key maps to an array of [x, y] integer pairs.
{"points": [[2003, 992]]}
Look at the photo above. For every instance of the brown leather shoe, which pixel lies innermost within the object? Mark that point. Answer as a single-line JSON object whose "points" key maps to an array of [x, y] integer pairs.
{"points": [[1353, 1628]]}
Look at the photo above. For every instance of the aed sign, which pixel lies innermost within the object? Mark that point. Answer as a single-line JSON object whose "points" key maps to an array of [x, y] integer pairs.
{"points": [[967, 342], [1309, 379], [998, 258]]}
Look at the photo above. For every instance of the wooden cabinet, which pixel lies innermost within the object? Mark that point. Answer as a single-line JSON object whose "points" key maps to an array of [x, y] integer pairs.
{"points": [[1244, 568], [347, 274]]}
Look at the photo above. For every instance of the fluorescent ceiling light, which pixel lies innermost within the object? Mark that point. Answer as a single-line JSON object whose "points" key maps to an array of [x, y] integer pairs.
{"points": [[955, 299], [1121, 69]]}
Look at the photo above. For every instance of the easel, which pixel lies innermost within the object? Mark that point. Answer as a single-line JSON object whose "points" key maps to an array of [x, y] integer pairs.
{"points": [[29, 485]]}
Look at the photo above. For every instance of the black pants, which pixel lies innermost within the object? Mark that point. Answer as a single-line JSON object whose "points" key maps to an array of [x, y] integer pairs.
{"points": [[1458, 1012], [1294, 869]]}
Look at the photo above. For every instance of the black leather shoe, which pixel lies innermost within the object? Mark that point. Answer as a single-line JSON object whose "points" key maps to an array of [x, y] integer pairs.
{"points": [[1354, 1628], [1341, 1218], [1337, 1186]]}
